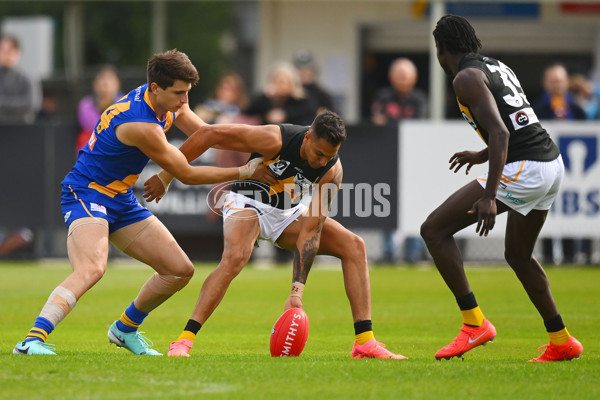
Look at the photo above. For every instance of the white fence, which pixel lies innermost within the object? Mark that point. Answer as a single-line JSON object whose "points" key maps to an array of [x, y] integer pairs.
{"points": [[425, 181]]}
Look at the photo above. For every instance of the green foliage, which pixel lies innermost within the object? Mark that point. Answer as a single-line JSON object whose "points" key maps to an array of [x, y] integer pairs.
{"points": [[197, 29], [413, 313], [119, 33]]}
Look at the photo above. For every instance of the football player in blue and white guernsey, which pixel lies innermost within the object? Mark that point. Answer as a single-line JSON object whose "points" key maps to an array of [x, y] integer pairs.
{"points": [[99, 206]]}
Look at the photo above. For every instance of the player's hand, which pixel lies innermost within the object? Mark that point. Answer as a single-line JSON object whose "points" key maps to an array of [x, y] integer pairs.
{"points": [[465, 157], [155, 188], [292, 302], [248, 169], [264, 174], [486, 210]]}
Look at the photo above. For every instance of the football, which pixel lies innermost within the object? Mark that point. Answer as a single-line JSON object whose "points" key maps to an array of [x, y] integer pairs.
{"points": [[289, 334]]}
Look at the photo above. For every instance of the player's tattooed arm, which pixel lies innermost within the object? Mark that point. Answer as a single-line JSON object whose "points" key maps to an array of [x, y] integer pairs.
{"points": [[304, 258], [309, 238]]}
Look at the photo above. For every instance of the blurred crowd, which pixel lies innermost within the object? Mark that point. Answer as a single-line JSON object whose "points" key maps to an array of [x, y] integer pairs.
{"points": [[294, 94]]}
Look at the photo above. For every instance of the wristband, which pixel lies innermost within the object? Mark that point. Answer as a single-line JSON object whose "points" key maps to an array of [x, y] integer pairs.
{"points": [[165, 185], [246, 171], [297, 289]]}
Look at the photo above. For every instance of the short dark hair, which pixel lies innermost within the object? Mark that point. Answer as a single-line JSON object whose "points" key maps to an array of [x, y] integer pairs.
{"points": [[165, 68], [456, 35], [329, 126]]}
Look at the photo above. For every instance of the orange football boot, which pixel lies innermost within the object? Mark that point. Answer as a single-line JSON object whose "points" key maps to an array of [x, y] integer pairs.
{"points": [[180, 348], [374, 349], [560, 352], [468, 338]]}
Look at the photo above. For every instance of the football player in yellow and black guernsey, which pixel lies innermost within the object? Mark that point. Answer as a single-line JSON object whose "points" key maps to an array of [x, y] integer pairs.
{"points": [[524, 176], [300, 159]]}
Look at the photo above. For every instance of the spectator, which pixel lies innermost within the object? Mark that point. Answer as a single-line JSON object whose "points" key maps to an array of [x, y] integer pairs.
{"points": [[17, 105], [319, 98], [586, 95], [283, 99], [227, 101], [17, 97], [557, 103], [106, 91], [224, 107], [402, 99]]}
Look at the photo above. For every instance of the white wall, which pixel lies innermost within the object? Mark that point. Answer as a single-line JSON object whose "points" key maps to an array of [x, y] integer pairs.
{"points": [[35, 35], [425, 180], [331, 29]]}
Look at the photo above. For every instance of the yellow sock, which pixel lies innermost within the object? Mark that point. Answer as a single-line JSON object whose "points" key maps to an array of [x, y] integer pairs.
{"points": [[473, 317], [187, 335], [37, 333], [364, 337], [125, 320], [559, 337]]}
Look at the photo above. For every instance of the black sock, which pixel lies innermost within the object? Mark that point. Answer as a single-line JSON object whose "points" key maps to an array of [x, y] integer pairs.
{"points": [[467, 302], [363, 326], [193, 326], [555, 324]]}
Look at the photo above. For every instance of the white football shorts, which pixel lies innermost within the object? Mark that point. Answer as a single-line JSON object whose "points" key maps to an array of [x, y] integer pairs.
{"points": [[529, 185], [272, 220]]}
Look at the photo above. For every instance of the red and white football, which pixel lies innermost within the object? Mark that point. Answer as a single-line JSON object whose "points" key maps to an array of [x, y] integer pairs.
{"points": [[289, 334]]}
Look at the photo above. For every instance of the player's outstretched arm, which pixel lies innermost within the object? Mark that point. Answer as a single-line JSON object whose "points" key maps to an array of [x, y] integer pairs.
{"points": [[188, 121], [155, 188], [150, 139], [309, 237], [263, 139]]}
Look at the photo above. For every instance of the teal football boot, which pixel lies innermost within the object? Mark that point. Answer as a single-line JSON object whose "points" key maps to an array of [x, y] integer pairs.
{"points": [[133, 341], [35, 347]]}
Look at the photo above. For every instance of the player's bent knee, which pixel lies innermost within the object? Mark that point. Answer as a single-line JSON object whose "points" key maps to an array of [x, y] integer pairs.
{"points": [[424, 230], [234, 262], [167, 284], [92, 273], [526, 267], [352, 247], [189, 270], [358, 246], [516, 261], [428, 232], [185, 268], [177, 264]]}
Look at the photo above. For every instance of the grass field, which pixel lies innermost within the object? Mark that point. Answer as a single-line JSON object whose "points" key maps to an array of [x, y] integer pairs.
{"points": [[413, 313]]}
